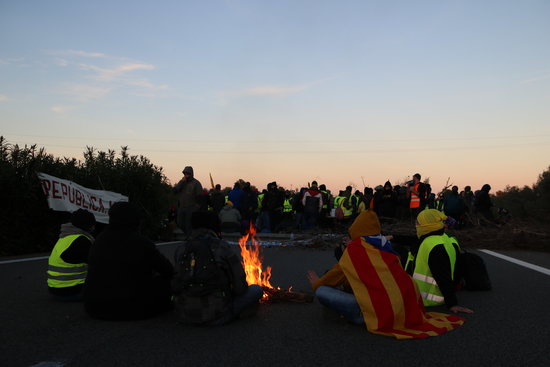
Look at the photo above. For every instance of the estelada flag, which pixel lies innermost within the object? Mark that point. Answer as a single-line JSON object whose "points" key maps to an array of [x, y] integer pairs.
{"points": [[388, 297]]}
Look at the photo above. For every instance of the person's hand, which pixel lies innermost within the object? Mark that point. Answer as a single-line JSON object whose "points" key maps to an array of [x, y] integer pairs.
{"points": [[457, 309], [312, 277], [389, 237]]}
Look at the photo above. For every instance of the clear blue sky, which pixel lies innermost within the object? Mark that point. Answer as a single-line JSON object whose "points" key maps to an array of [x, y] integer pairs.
{"points": [[338, 91]]}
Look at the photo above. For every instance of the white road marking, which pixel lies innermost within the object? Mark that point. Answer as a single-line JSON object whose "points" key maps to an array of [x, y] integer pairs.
{"points": [[45, 257], [23, 260], [540, 269]]}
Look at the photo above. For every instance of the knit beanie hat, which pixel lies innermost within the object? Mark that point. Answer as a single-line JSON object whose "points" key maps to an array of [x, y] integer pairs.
{"points": [[366, 224], [429, 220]]}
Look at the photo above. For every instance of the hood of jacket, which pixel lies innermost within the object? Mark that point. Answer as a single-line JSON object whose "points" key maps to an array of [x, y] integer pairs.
{"points": [[68, 229]]}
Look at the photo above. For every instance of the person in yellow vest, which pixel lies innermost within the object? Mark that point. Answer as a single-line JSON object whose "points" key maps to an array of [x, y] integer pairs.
{"points": [[437, 264], [68, 262], [347, 205]]}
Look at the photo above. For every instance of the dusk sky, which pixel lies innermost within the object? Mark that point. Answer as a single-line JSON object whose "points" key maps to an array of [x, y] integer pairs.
{"points": [[342, 92]]}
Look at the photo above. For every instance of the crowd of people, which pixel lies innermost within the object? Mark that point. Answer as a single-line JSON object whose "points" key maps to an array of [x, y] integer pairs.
{"points": [[121, 275], [275, 209]]}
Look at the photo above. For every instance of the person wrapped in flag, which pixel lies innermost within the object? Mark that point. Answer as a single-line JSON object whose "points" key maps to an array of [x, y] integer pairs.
{"points": [[383, 296], [436, 267]]}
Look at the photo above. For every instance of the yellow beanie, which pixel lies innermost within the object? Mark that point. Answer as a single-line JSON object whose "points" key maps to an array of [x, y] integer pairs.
{"points": [[366, 224], [429, 220]]}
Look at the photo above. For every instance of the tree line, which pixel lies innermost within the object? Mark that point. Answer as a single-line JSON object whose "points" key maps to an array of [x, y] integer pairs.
{"points": [[27, 225]]}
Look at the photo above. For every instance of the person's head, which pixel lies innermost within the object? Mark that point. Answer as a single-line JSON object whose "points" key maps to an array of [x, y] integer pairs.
{"points": [[83, 219], [314, 185], [237, 185], [454, 189], [486, 188], [124, 214], [467, 188], [368, 191], [378, 188], [428, 221], [208, 220], [388, 186], [348, 189], [188, 172], [322, 187], [218, 187], [366, 224], [417, 178]]}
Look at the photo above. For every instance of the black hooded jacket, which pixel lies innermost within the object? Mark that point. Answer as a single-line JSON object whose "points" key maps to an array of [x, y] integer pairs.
{"points": [[122, 263]]}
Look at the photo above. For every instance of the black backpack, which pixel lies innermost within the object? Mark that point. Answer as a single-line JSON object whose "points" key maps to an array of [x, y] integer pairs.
{"points": [[476, 277], [202, 283]]}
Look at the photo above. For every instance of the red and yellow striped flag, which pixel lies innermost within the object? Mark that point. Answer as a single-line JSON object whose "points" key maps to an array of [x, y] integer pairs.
{"points": [[389, 298]]}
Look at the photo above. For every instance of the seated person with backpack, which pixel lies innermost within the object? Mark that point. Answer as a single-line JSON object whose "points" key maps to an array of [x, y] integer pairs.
{"points": [[437, 267], [210, 286]]}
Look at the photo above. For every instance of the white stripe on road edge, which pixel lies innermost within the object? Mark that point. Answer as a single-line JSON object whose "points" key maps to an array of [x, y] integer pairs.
{"points": [[45, 257], [168, 243], [540, 269], [23, 260]]}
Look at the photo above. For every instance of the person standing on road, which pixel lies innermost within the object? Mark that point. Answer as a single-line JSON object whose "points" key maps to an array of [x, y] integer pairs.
{"points": [[190, 191], [68, 262], [417, 195]]}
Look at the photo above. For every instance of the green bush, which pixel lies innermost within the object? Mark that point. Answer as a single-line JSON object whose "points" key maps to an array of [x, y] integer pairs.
{"points": [[27, 225], [532, 203]]}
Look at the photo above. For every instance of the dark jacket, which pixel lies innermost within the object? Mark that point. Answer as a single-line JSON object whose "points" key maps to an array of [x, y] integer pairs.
{"points": [[123, 271]]}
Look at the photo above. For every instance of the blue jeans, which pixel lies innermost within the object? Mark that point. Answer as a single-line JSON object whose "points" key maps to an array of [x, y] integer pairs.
{"points": [[342, 302], [250, 298], [244, 305]]}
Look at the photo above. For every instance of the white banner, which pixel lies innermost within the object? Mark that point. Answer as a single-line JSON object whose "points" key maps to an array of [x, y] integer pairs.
{"points": [[67, 196]]}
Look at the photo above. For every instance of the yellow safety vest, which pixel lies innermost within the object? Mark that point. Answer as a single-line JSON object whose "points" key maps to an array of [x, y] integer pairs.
{"points": [[429, 290], [287, 208], [60, 273], [348, 212]]}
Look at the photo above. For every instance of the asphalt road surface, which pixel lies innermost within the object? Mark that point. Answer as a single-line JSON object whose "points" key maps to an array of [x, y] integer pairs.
{"points": [[510, 326]]}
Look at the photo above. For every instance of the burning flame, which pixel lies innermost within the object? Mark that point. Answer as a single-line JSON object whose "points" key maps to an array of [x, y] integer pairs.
{"points": [[252, 262]]}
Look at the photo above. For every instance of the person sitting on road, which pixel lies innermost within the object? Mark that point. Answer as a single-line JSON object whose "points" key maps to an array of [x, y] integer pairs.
{"points": [[230, 218], [68, 262], [210, 287], [384, 296], [437, 264], [128, 278]]}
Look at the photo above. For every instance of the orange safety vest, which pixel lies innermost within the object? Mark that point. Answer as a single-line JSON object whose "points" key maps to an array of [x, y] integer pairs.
{"points": [[415, 199]]}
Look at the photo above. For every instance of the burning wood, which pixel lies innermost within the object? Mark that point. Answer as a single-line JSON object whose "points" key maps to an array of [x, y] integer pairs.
{"points": [[255, 274], [281, 295]]}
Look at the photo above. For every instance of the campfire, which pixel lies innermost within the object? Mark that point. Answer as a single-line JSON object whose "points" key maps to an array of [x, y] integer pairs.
{"points": [[255, 273]]}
